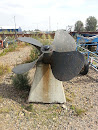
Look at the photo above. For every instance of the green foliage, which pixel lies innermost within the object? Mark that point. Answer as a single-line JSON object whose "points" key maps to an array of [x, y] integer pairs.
{"points": [[21, 81], [36, 36], [49, 37], [11, 38], [79, 26], [30, 108], [77, 111], [91, 23], [34, 54], [44, 40], [7, 32], [11, 48], [44, 36]]}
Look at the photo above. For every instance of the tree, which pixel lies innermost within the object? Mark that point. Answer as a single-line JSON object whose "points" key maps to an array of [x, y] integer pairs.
{"points": [[91, 23], [79, 26]]}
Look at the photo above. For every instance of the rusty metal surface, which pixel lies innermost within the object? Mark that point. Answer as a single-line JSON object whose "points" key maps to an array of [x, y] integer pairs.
{"points": [[51, 34], [30, 35], [46, 78], [66, 65]]}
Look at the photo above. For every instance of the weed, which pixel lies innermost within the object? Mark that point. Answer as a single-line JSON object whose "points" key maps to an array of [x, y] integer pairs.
{"points": [[45, 41], [72, 94], [1, 99], [21, 81], [4, 110], [49, 37], [78, 111], [10, 49], [69, 95], [68, 99], [30, 108], [44, 37], [4, 69], [13, 47], [22, 44], [34, 54], [72, 107], [51, 115]]}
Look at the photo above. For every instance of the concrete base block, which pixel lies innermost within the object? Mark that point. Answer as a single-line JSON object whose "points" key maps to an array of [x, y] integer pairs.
{"points": [[45, 88]]}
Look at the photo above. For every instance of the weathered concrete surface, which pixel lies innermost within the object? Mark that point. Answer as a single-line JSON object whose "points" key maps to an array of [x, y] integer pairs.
{"points": [[45, 88]]}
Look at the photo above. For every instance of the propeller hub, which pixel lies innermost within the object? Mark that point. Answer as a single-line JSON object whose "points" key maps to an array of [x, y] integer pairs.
{"points": [[46, 49]]}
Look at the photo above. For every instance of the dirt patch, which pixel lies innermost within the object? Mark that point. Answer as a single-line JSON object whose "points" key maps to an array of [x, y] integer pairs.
{"points": [[16, 57]]}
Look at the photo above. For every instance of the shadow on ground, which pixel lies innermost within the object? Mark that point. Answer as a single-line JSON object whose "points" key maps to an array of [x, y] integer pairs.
{"points": [[8, 91]]}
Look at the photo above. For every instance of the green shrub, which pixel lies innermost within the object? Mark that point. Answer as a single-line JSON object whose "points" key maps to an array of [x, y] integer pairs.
{"points": [[21, 81], [11, 48], [34, 54]]}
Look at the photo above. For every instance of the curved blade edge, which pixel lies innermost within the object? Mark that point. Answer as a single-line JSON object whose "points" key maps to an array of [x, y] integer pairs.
{"points": [[66, 65], [30, 40], [64, 42], [22, 68]]}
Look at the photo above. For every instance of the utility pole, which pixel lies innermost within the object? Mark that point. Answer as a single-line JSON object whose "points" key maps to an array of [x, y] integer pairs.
{"points": [[57, 26], [15, 26], [49, 24]]}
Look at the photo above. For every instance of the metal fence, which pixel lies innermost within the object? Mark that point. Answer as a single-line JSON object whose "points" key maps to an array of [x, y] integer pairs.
{"points": [[92, 57]]}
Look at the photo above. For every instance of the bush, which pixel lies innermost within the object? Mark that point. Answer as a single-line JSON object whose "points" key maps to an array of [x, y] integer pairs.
{"points": [[11, 48], [34, 54], [21, 81]]}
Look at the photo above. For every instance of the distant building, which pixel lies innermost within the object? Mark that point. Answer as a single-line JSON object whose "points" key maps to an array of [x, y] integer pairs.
{"points": [[37, 30], [10, 28]]}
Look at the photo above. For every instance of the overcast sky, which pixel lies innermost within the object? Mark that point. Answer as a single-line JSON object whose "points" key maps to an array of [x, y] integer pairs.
{"points": [[33, 14]]}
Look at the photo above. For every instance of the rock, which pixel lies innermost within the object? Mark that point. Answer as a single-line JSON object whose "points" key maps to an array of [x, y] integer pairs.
{"points": [[64, 107]]}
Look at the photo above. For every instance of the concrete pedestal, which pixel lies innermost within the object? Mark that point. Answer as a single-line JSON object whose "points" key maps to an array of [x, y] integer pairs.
{"points": [[45, 88]]}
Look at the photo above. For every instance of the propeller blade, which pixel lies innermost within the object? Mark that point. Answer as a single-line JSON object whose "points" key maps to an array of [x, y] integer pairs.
{"points": [[22, 68], [66, 65], [63, 42], [30, 40]]}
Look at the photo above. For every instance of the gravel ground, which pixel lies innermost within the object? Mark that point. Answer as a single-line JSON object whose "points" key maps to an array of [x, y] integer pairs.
{"points": [[16, 57], [80, 112]]}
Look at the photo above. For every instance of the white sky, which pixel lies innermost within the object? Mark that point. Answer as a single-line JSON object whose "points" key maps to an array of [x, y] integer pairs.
{"points": [[33, 14]]}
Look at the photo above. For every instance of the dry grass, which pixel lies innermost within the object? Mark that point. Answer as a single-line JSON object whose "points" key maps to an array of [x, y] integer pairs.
{"points": [[77, 111], [13, 47], [4, 69]]}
